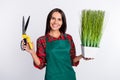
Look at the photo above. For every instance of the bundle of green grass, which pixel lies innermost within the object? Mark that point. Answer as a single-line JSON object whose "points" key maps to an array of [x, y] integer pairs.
{"points": [[92, 27]]}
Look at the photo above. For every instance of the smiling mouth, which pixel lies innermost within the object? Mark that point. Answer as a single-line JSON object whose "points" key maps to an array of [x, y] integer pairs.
{"points": [[55, 26]]}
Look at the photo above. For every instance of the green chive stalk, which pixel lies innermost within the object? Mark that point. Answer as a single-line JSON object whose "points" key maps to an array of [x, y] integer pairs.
{"points": [[92, 27]]}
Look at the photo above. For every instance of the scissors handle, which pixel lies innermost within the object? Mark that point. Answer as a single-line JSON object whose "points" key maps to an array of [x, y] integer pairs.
{"points": [[29, 42], [26, 39], [23, 42]]}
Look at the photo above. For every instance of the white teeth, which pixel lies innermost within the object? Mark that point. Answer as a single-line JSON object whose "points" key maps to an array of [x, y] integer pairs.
{"points": [[55, 25]]}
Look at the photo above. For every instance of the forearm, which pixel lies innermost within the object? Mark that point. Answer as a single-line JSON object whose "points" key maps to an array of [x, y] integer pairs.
{"points": [[35, 58]]}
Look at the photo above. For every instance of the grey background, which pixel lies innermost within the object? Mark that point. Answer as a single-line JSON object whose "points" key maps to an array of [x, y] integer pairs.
{"points": [[18, 65]]}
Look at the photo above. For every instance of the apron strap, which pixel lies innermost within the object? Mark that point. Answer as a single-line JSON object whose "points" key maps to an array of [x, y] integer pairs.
{"points": [[65, 35]]}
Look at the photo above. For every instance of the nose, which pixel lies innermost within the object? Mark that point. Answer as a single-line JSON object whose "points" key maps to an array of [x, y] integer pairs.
{"points": [[56, 21]]}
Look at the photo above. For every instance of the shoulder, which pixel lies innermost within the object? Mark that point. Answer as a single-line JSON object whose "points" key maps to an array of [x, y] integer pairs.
{"points": [[41, 38], [68, 36]]}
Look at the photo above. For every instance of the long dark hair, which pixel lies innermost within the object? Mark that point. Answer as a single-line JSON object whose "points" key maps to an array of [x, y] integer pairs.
{"points": [[64, 25]]}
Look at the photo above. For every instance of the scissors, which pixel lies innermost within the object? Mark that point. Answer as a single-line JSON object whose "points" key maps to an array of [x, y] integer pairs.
{"points": [[26, 38]]}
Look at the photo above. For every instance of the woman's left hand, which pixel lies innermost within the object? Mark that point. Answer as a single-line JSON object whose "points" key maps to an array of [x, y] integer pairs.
{"points": [[86, 58], [77, 58]]}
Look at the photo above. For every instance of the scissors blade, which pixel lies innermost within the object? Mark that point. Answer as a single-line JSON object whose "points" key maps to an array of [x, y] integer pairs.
{"points": [[23, 22], [27, 24]]}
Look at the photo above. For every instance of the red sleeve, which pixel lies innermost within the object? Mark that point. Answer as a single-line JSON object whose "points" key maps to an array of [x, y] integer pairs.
{"points": [[72, 50], [41, 43]]}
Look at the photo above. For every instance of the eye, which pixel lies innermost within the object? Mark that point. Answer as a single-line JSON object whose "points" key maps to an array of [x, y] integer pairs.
{"points": [[59, 19], [52, 18]]}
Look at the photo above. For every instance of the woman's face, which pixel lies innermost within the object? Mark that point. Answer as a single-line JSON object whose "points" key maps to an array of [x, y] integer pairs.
{"points": [[56, 21]]}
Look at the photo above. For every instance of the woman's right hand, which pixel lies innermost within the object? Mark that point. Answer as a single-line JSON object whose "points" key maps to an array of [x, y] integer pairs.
{"points": [[32, 52], [27, 47]]}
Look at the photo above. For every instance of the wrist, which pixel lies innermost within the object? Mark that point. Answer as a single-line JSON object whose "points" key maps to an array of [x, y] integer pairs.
{"points": [[81, 56], [32, 52]]}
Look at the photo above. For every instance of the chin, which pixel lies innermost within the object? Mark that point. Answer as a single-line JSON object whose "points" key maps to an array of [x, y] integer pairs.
{"points": [[55, 28]]}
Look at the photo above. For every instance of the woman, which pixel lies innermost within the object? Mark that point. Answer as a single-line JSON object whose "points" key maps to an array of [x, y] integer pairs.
{"points": [[56, 49]]}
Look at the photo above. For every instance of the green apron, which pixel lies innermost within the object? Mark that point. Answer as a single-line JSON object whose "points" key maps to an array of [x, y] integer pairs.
{"points": [[58, 59]]}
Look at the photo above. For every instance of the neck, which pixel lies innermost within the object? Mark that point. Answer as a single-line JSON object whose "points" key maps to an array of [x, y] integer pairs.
{"points": [[55, 34]]}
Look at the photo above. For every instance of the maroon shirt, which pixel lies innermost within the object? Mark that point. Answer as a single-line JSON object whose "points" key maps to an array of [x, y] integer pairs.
{"points": [[41, 45]]}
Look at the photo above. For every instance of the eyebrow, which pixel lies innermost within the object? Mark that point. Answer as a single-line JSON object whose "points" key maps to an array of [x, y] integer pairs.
{"points": [[54, 17]]}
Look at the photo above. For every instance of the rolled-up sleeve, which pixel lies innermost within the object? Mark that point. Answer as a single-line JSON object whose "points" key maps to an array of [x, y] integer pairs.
{"points": [[41, 53], [72, 51]]}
